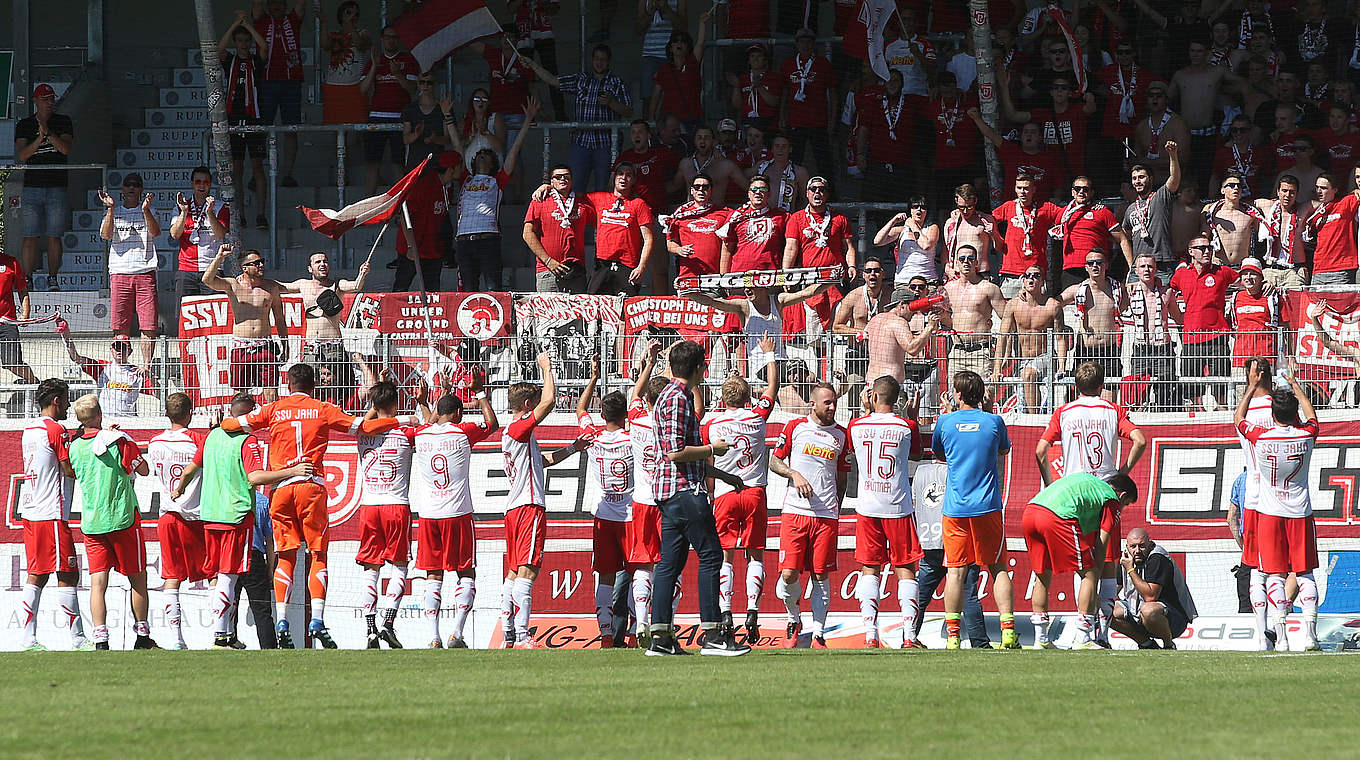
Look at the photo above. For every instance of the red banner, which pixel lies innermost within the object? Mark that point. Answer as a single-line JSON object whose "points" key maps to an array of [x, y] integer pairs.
{"points": [[401, 317], [205, 324], [1340, 318]]}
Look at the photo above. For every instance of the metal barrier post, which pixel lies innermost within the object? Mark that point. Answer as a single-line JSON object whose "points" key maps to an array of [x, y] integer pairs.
{"points": [[613, 146], [1051, 379], [547, 148], [340, 148], [274, 261], [862, 249], [164, 373]]}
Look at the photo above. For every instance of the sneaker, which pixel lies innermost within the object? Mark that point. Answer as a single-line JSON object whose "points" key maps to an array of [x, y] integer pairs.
{"points": [[228, 643], [457, 643], [101, 645], [726, 621], [752, 626], [818, 642], [285, 638], [1149, 644], [723, 644], [791, 632], [953, 643], [317, 630], [372, 640], [1089, 646], [437, 644], [35, 647], [1169, 645], [913, 644], [145, 642], [1104, 643], [607, 642], [1044, 645], [525, 643], [872, 643], [387, 634], [665, 646], [644, 636], [622, 636], [1312, 646], [508, 639], [84, 645], [53, 286], [1010, 639], [179, 646]]}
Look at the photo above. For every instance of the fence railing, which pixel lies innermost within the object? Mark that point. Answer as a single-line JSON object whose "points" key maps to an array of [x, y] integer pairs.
{"points": [[1029, 373]]}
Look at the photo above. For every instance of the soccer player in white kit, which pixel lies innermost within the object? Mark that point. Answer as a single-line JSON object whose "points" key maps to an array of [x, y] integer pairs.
{"points": [[1259, 377], [813, 454], [1285, 534], [184, 551], [643, 531], [45, 508], [384, 512], [609, 493], [743, 515], [525, 503], [885, 524], [442, 497], [1088, 429]]}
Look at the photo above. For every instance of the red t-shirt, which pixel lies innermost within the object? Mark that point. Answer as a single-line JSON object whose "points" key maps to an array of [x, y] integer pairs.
{"points": [[810, 252], [1341, 152], [1064, 132], [618, 227], [653, 169], [1252, 163], [11, 281], [759, 242], [1024, 251], [429, 212], [680, 89], [285, 59], [389, 97], [560, 243], [1204, 294], [956, 136], [1283, 150], [1088, 230], [890, 144], [1138, 82], [1045, 167], [702, 233], [748, 19], [1336, 251], [816, 77], [752, 104], [509, 78]]}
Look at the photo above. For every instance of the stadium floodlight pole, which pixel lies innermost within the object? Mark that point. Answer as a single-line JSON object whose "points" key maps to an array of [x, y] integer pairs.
{"points": [[982, 51], [217, 116]]}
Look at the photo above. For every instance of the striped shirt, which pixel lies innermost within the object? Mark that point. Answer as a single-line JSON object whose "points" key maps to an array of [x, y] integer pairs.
{"points": [[677, 426], [587, 88]]}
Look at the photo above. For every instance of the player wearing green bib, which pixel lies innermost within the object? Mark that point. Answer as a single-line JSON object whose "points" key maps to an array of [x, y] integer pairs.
{"points": [[104, 462], [1062, 532], [233, 466]]}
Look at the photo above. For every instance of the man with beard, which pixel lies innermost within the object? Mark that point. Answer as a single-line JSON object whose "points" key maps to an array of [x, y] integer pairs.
{"points": [[707, 160], [1148, 218]]}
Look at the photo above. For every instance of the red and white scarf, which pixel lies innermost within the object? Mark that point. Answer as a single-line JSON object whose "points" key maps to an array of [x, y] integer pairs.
{"points": [[1244, 29], [747, 212], [820, 227], [1280, 246], [1127, 90], [1071, 212], [565, 207], [243, 67], [1078, 66], [1245, 208]]}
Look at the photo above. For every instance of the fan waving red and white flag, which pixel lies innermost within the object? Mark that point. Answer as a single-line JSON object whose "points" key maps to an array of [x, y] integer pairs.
{"points": [[439, 27], [864, 33], [376, 210]]}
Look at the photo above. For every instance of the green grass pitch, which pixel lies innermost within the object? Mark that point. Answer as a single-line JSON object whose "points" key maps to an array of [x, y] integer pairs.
{"points": [[770, 704]]}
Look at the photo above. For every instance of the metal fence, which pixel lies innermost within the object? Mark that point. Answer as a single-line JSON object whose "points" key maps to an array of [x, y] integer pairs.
{"points": [[1030, 373]]}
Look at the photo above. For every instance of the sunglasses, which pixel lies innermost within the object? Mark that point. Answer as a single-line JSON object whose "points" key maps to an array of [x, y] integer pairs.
{"points": [[872, 271], [253, 263], [916, 206], [561, 176], [966, 258], [1081, 188], [1201, 247], [916, 286], [1030, 276], [702, 186], [817, 189], [480, 99], [760, 190], [202, 182], [1095, 263], [1232, 184]]}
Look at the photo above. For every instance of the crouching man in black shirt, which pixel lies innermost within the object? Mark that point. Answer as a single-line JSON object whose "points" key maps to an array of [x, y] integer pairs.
{"points": [[1155, 602]]}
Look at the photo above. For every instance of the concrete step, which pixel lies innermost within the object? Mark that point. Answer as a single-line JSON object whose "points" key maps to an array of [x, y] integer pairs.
{"points": [[82, 261], [189, 77], [159, 158], [177, 97], [156, 179], [177, 117], [162, 202], [167, 137]]}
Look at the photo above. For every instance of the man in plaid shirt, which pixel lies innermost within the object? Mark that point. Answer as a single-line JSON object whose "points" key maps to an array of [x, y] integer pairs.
{"points": [[686, 512], [600, 96]]}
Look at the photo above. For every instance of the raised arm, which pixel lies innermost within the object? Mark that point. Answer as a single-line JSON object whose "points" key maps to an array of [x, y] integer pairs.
{"points": [[583, 403], [729, 305], [212, 279], [531, 107], [645, 371], [1137, 445], [789, 299], [994, 137], [889, 232], [1306, 410], [548, 397]]}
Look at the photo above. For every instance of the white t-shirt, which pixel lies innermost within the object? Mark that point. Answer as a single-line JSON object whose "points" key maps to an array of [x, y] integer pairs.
{"points": [[385, 467], [167, 454], [745, 430], [132, 249], [882, 446], [119, 386], [523, 464], [441, 468], [1258, 414], [48, 493], [818, 453], [609, 471], [642, 434], [480, 203], [1089, 429], [1282, 455]]}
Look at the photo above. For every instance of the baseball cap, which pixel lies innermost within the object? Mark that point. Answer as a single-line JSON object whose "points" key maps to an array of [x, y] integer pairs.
{"points": [[1157, 86], [727, 125], [44, 91], [449, 158], [121, 338], [133, 178], [755, 48], [805, 32], [1253, 265]]}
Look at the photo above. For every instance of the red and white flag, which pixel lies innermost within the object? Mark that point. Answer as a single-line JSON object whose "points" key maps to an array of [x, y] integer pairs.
{"points": [[439, 27], [864, 33], [376, 210], [1059, 17]]}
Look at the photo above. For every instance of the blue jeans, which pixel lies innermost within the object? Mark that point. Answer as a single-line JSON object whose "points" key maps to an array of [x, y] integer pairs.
{"points": [[687, 520], [479, 263], [587, 162], [45, 211], [930, 576]]}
